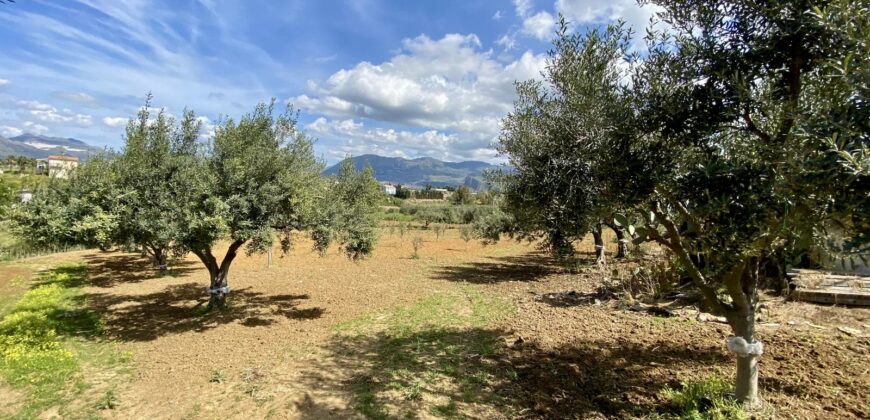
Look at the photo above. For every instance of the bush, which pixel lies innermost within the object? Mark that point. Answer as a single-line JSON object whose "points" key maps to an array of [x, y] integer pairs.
{"points": [[448, 214]]}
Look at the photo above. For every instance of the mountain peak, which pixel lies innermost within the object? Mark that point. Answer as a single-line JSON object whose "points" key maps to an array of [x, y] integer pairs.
{"points": [[421, 171], [40, 146]]}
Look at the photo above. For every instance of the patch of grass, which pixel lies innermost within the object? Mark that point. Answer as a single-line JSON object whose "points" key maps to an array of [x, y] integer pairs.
{"points": [[46, 339], [446, 410], [218, 376], [466, 307], [710, 398], [436, 347], [109, 401]]}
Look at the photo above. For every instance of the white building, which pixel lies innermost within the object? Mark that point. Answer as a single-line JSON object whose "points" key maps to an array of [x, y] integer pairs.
{"points": [[388, 188], [60, 166]]}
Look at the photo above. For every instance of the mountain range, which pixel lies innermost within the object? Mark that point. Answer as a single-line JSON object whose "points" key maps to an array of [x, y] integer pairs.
{"points": [[417, 172], [36, 146], [421, 171]]}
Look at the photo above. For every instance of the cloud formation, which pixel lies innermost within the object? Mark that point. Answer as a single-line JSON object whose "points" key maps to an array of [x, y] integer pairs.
{"points": [[115, 121], [448, 85]]}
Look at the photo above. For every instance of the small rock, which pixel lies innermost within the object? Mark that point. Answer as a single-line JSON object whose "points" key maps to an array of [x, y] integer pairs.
{"points": [[851, 332]]}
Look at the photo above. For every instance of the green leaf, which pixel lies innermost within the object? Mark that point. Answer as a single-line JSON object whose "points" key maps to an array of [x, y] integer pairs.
{"points": [[620, 220]]}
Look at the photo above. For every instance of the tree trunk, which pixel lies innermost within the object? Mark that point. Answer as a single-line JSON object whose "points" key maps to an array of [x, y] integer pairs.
{"points": [[622, 242], [160, 259], [218, 289], [746, 382], [743, 289], [599, 245]]}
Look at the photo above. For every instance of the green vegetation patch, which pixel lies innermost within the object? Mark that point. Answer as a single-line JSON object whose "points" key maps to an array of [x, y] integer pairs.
{"points": [[710, 398], [47, 339], [433, 356]]}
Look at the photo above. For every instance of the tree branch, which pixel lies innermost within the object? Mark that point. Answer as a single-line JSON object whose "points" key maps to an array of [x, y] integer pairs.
{"points": [[676, 245]]}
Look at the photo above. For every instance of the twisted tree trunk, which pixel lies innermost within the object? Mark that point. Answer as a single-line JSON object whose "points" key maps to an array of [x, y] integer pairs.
{"points": [[622, 241], [218, 289]]}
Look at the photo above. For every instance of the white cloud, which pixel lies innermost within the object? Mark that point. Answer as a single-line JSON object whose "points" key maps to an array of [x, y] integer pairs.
{"points": [[9, 131], [508, 42], [115, 121], [32, 127], [80, 98], [207, 128], [603, 11], [497, 15], [446, 85], [540, 25], [349, 137], [49, 114], [4, 82], [523, 7]]}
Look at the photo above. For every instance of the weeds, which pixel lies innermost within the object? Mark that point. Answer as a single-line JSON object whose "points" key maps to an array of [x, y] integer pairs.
{"points": [[108, 402], [429, 349], [710, 398], [218, 376], [38, 354]]}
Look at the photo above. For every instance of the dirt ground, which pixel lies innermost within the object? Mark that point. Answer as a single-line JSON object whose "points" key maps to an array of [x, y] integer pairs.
{"points": [[280, 351]]}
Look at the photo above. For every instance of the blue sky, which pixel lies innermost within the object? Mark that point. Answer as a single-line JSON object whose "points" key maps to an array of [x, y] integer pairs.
{"points": [[396, 78]]}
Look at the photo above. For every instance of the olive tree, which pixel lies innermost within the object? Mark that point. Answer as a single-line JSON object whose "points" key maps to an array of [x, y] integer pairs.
{"points": [[553, 140], [751, 135], [257, 176], [77, 211], [345, 211], [741, 133], [147, 175]]}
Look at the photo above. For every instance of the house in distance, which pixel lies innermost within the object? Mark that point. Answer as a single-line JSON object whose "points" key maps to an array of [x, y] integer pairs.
{"points": [[58, 166]]}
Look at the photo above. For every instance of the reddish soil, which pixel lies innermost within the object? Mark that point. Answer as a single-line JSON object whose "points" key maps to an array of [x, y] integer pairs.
{"points": [[275, 353]]}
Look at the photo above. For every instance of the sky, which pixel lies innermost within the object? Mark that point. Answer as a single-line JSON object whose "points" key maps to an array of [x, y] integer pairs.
{"points": [[394, 78]]}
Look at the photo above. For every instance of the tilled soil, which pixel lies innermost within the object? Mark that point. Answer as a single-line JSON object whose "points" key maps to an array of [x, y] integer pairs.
{"points": [[274, 352]]}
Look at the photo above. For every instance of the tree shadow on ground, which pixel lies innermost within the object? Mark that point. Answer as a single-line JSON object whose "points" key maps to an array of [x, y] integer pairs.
{"points": [[108, 269], [527, 267], [181, 308], [474, 373]]}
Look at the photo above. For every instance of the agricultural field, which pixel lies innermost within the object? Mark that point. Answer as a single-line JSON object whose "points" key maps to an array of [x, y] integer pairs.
{"points": [[426, 327]]}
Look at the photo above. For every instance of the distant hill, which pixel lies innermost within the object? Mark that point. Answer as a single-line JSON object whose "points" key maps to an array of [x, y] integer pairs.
{"points": [[39, 147], [421, 171]]}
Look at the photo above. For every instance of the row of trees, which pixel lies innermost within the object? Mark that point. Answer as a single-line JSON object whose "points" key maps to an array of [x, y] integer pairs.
{"points": [[740, 139], [19, 163], [168, 194]]}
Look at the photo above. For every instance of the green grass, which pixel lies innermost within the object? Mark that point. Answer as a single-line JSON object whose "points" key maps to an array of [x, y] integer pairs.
{"points": [[710, 398], [30, 181], [46, 340], [396, 217], [14, 248], [438, 346]]}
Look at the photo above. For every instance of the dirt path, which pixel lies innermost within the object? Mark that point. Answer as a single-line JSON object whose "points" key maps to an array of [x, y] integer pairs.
{"points": [[283, 351]]}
